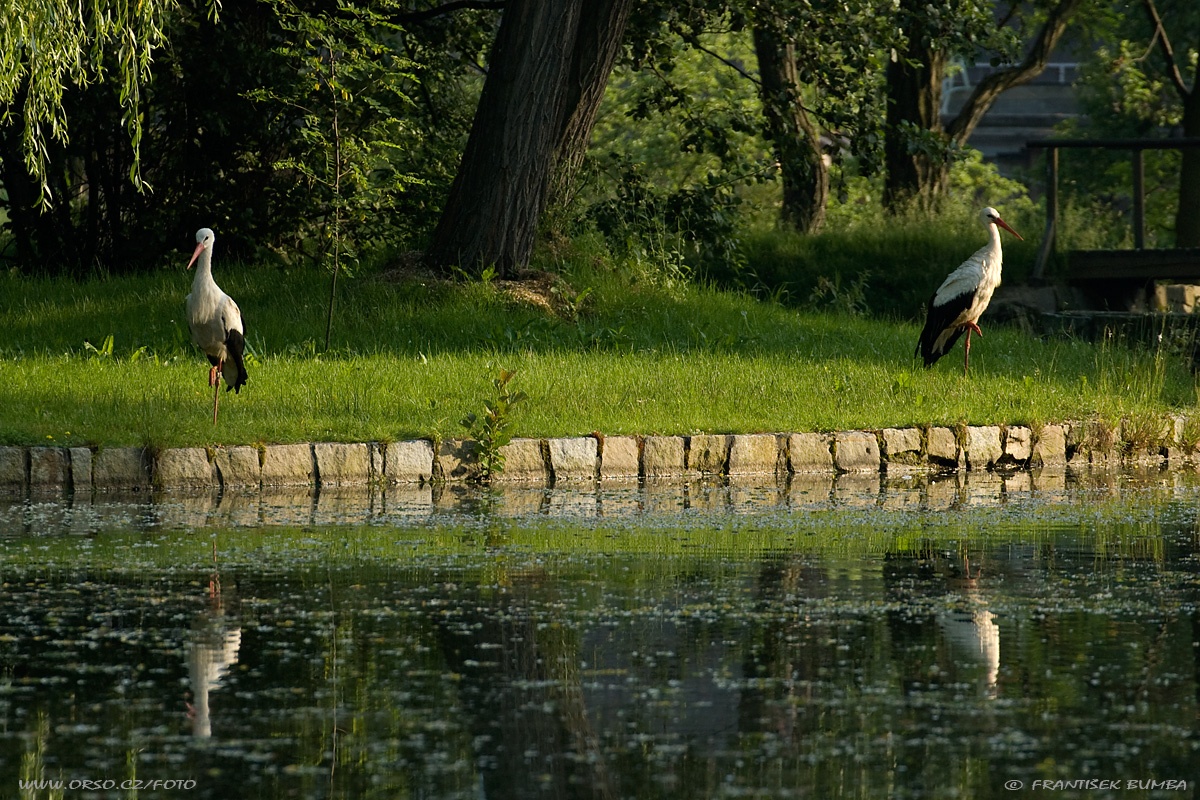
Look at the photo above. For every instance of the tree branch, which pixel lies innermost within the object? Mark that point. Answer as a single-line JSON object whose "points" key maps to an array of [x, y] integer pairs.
{"points": [[1164, 44], [987, 90], [732, 65], [447, 8]]}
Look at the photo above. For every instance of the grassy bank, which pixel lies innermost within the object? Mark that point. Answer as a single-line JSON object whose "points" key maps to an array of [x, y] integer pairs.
{"points": [[638, 353]]}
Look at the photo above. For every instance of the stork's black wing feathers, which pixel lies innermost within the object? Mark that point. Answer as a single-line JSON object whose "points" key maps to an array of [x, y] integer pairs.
{"points": [[236, 345], [938, 322]]}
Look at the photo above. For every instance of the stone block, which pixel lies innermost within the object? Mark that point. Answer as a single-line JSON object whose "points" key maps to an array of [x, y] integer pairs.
{"points": [[942, 448], [573, 459], [342, 464], [120, 468], [1018, 443], [708, 453], [856, 451], [620, 457], [1017, 483], [516, 500], [288, 465], [981, 488], [754, 454], [809, 452], [238, 466], [409, 499], [458, 459], [524, 461], [409, 462], [1051, 446], [811, 488], [48, 467], [13, 463], [81, 469], [663, 456], [902, 445], [857, 489], [944, 492], [184, 467], [983, 448]]}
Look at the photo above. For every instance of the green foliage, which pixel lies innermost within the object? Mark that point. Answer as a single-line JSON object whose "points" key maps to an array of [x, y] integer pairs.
{"points": [[493, 430], [1125, 92], [350, 103], [666, 233], [225, 107]]}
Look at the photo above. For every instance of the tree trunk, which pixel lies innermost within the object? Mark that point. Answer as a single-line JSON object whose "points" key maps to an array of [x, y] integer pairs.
{"points": [[496, 199], [546, 76], [917, 175], [796, 139], [601, 33], [1187, 216]]}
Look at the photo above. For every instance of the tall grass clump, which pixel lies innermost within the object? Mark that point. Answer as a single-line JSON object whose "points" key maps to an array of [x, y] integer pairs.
{"points": [[902, 260]]}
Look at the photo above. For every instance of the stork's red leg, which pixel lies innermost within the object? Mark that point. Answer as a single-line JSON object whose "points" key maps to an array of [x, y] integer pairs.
{"points": [[217, 387], [973, 326], [212, 376], [967, 348]]}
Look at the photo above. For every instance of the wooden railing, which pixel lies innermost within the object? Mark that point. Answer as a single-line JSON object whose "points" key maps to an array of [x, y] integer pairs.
{"points": [[1171, 260]]}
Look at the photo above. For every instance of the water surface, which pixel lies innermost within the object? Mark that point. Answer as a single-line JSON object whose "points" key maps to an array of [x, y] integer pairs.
{"points": [[910, 638]]}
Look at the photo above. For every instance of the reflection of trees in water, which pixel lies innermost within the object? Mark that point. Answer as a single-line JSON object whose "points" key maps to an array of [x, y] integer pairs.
{"points": [[212, 648], [520, 689], [779, 659]]}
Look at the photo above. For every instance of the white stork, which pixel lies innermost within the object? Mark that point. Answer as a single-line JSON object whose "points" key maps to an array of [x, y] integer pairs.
{"points": [[958, 303], [216, 323]]}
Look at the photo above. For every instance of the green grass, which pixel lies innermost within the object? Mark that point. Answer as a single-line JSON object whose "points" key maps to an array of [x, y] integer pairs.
{"points": [[412, 356]]}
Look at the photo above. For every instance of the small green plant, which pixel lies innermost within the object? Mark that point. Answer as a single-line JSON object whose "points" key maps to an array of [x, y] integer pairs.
{"points": [[105, 350], [491, 431], [831, 296], [571, 301]]}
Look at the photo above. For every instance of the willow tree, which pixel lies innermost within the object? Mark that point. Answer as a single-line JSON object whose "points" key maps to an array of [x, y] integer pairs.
{"points": [[49, 46], [96, 60]]}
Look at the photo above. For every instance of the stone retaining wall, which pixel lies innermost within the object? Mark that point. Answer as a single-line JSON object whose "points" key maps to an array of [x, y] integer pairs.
{"points": [[546, 462]]}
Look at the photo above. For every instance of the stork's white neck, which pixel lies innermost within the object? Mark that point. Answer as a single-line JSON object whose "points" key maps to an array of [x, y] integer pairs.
{"points": [[204, 269], [993, 231]]}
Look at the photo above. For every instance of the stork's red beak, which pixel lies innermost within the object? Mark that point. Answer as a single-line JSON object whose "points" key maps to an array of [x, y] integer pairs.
{"points": [[200, 248], [999, 222]]}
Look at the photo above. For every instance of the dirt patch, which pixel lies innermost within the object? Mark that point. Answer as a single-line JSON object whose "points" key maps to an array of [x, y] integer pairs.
{"points": [[530, 289]]}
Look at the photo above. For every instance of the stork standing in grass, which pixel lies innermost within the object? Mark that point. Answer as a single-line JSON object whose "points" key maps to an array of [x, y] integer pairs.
{"points": [[216, 323], [963, 297]]}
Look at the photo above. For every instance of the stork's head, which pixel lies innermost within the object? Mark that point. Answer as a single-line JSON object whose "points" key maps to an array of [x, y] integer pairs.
{"points": [[992, 217], [204, 241]]}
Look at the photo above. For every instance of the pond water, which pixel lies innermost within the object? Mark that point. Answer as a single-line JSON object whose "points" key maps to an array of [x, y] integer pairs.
{"points": [[968, 637]]}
